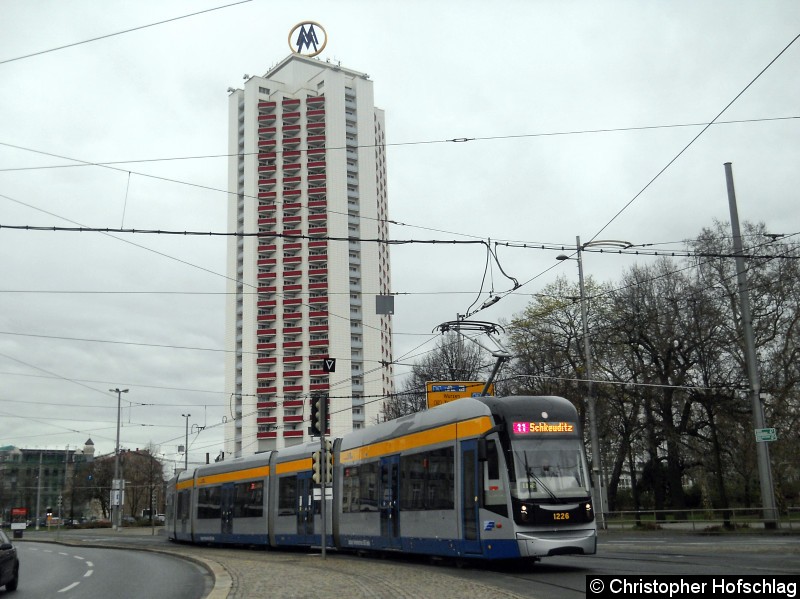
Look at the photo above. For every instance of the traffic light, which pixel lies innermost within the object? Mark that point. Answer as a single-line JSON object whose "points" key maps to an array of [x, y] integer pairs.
{"points": [[328, 461], [319, 416], [316, 466]]}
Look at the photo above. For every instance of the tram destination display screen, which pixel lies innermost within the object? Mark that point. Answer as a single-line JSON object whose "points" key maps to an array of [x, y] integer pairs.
{"points": [[543, 428]]}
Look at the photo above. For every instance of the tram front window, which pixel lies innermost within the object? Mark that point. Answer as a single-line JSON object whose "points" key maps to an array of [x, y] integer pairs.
{"points": [[555, 470]]}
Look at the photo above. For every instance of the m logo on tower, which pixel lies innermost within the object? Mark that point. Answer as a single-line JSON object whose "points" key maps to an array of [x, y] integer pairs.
{"points": [[308, 38]]}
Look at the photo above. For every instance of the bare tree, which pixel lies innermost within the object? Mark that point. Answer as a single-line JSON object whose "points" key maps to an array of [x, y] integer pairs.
{"points": [[453, 359]]}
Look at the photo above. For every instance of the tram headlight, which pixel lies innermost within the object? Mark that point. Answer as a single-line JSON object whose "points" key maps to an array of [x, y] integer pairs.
{"points": [[523, 512]]}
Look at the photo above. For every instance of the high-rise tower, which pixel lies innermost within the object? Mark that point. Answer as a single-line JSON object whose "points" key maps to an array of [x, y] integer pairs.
{"points": [[307, 173]]}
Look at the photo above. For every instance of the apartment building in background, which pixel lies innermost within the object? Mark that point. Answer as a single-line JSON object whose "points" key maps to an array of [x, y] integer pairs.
{"points": [[308, 196]]}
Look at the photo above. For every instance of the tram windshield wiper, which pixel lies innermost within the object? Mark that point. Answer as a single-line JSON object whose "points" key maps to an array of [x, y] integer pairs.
{"points": [[529, 473]]}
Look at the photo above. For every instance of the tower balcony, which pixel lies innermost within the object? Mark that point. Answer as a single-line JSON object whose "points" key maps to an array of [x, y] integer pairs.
{"points": [[288, 130], [267, 132], [264, 119], [289, 117], [266, 208], [320, 387], [266, 376], [315, 191], [261, 361], [267, 405], [315, 101], [267, 420], [288, 434], [293, 388], [320, 272], [318, 231], [290, 103], [317, 258], [267, 289], [323, 203], [267, 168], [292, 315], [267, 435], [265, 106], [293, 419], [316, 115]]}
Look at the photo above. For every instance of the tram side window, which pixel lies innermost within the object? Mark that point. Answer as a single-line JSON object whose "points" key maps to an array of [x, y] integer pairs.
{"points": [[427, 480], [208, 503], [183, 505], [248, 500], [360, 488], [494, 496], [287, 496]]}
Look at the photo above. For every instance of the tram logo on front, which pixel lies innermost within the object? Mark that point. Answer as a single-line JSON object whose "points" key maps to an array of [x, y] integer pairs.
{"points": [[310, 38]]}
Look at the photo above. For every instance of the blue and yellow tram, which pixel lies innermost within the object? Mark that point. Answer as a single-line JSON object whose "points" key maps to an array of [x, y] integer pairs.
{"points": [[483, 478]]}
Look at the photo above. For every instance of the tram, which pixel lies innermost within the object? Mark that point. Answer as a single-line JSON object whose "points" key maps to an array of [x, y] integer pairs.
{"points": [[483, 478]]}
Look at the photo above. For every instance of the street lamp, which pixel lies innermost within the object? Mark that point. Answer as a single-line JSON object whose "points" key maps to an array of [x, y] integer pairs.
{"points": [[186, 446], [598, 499], [116, 491]]}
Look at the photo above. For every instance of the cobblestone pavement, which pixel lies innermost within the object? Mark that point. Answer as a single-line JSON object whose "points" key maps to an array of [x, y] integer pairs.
{"points": [[251, 573]]}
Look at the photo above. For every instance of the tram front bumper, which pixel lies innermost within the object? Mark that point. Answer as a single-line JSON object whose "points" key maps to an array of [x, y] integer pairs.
{"points": [[560, 542]]}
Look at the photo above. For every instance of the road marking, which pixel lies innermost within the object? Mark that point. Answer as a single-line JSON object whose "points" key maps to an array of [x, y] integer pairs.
{"points": [[89, 565], [88, 573], [77, 557], [69, 588], [62, 553]]}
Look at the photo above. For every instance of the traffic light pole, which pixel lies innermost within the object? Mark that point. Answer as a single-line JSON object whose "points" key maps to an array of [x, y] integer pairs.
{"points": [[323, 483]]}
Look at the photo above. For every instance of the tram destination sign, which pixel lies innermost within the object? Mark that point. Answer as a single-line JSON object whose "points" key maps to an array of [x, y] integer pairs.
{"points": [[535, 428]]}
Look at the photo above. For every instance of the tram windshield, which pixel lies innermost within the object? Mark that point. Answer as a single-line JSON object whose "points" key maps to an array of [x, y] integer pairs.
{"points": [[552, 469]]}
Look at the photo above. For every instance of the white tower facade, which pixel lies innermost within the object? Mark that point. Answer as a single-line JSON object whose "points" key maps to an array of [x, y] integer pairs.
{"points": [[308, 197]]}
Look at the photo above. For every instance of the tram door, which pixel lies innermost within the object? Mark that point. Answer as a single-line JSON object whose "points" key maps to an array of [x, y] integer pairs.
{"points": [[389, 504], [226, 509], [305, 508], [470, 492]]}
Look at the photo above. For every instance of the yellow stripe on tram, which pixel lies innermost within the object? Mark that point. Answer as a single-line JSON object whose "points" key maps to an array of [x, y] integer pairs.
{"points": [[226, 477], [293, 466], [440, 434]]}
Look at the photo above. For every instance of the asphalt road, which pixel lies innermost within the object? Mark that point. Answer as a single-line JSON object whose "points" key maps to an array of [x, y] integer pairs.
{"points": [[50, 570], [635, 554]]}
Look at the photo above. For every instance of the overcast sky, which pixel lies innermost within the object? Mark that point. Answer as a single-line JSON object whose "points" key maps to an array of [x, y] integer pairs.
{"points": [[81, 313]]}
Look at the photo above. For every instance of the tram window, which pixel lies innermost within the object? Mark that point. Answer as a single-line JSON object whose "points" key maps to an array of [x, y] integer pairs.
{"points": [[248, 500], [360, 488], [494, 496], [287, 496], [208, 503], [183, 505], [427, 480]]}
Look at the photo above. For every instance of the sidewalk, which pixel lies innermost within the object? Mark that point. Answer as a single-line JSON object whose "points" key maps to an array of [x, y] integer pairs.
{"points": [[250, 573]]}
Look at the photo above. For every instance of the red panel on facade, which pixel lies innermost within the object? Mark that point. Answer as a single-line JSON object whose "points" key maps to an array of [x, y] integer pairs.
{"points": [[293, 374], [292, 359], [266, 360], [267, 435], [292, 301], [266, 346], [293, 388], [292, 433], [267, 404], [293, 403], [295, 418], [292, 344], [316, 343]]}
